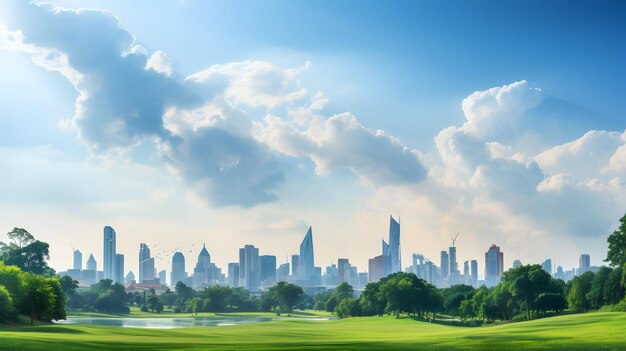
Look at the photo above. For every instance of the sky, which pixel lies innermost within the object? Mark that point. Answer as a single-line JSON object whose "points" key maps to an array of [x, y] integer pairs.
{"points": [[227, 123]]}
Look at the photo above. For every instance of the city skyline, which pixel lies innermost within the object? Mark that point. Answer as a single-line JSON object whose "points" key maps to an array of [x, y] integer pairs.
{"points": [[249, 128]]}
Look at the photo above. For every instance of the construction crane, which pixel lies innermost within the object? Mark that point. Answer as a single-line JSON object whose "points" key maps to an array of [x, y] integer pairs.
{"points": [[454, 239]]}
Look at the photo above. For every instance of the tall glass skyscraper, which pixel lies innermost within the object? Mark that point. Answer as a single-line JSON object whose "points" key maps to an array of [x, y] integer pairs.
{"points": [[494, 265], [109, 253], [78, 260], [306, 265], [249, 268], [178, 273], [394, 246], [146, 265], [119, 268]]}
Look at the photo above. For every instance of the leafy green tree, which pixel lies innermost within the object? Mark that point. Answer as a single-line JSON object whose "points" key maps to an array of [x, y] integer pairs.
{"points": [[25, 252], [613, 289], [596, 294], [11, 277], [372, 300], [331, 303], [577, 297], [550, 302], [217, 297], [154, 304], [479, 302], [57, 310], [39, 296], [7, 310], [347, 307], [616, 255], [286, 295], [526, 283], [453, 296], [344, 291]]}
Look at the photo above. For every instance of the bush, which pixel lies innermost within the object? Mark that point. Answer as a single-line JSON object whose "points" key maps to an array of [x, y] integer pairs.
{"points": [[144, 308]]}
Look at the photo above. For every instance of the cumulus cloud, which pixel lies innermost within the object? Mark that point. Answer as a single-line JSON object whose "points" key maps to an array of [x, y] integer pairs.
{"points": [[160, 62]]}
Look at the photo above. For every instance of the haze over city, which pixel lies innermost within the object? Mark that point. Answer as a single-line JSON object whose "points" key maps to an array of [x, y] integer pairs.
{"points": [[254, 127]]}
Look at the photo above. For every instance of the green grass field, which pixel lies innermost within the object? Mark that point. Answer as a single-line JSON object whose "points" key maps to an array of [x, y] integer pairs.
{"points": [[591, 331]]}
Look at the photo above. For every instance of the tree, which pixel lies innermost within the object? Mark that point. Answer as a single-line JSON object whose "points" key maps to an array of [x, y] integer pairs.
{"points": [[217, 297], [577, 295], [57, 310], [347, 307], [613, 289], [616, 254], [20, 237], [7, 310], [11, 277], [453, 296], [68, 285], [154, 304], [596, 294], [372, 300], [286, 295], [344, 291], [25, 252], [526, 283], [551, 302], [39, 297]]}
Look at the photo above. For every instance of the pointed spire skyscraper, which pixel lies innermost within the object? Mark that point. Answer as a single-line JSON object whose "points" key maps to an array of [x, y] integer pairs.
{"points": [[306, 265]]}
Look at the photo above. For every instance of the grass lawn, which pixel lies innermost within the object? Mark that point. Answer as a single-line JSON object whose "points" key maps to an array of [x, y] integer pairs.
{"points": [[590, 331]]}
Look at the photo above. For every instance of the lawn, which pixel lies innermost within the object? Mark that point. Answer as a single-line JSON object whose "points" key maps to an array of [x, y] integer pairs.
{"points": [[591, 331]]}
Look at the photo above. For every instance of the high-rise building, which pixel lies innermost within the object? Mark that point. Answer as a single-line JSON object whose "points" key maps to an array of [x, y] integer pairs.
{"points": [[249, 268], [584, 262], [494, 265], [343, 267], [376, 268], [474, 273], [146, 265], [162, 277], [282, 273], [78, 260], [547, 266], [119, 268], [394, 245], [306, 266], [444, 265], [454, 266], [92, 265], [233, 274], [109, 253], [130, 278], [178, 273], [295, 266], [517, 263], [466, 273], [268, 270], [203, 272]]}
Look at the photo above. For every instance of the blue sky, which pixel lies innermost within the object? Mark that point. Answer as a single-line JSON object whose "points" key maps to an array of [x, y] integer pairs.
{"points": [[331, 114]]}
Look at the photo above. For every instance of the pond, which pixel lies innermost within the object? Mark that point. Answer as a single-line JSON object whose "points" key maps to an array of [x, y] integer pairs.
{"points": [[170, 323]]}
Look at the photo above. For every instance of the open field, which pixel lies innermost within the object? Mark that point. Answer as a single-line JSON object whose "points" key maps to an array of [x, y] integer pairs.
{"points": [[591, 331]]}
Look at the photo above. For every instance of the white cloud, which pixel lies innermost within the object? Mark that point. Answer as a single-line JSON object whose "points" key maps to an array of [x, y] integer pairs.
{"points": [[160, 62]]}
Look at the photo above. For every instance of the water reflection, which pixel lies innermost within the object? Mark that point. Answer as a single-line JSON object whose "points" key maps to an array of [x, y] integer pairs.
{"points": [[169, 323]]}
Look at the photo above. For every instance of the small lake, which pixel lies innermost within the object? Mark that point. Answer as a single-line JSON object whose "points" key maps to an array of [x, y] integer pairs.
{"points": [[170, 323]]}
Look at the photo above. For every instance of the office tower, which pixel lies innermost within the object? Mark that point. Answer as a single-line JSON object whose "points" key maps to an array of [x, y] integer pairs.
{"points": [[454, 267], [109, 253], [162, 276], [386, 253], [343, 268], [233, 274], [268, 270], [494, 265], [306, 264], [331, 275], [249, 268], [91, 263], [444, 265], [376, 268], [119, 268], [295, 264], [547, 266], [466, 273], [146, 265], [282, 273], [130, 278], [474, 273], [584, 262], [517, 263], [202, 272], [178, 273], [559, 274], [394, 245], [78, 260]]}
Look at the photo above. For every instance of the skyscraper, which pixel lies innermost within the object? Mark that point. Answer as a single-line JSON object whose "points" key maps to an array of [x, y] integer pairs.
{"points": [[386, 258], [376, 268], [547, 266], [474, 273], [306, 265], [454, 266], [249, 268], [146, 265], [92, 265], [268, 269], [517, 263], [78, 260], [162, 277], [178, 273], [282, 273], [494, 265], [584, 262], [233, 274], [295, 266], [202, 272], [343, 268], [466, 273], [119, 268], [444, 265], [394, 245], [109, 253]]}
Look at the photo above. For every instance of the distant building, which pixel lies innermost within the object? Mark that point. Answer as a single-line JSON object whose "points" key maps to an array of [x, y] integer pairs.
{"points": [[119, 268], [268, 270], [282, 273], [109, 253], [466, 273], [178, 273], [233, 274], [517, 263], [206, 273], [444, 265], [130, 278], [92, 265], [474, 273], [249, 268], [306, 260], [162, 277], [584, 263], [494, 265], [376, 268], [547, 266], [343, 268], [146, 265], [394, 245], [78, 260]]}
